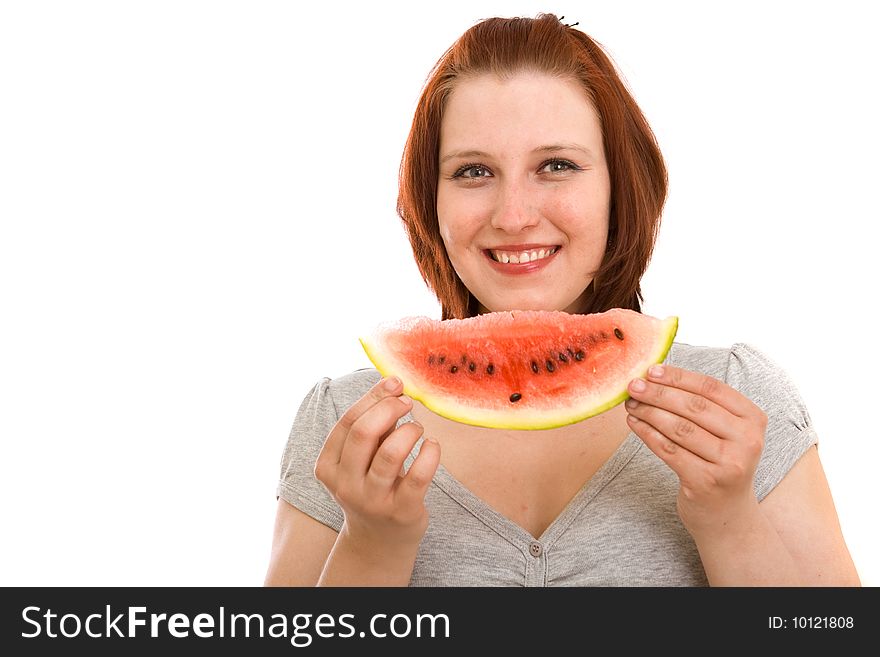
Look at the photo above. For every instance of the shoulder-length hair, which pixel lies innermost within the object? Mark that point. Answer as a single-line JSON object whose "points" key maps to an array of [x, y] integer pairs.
{"points": [[505, 46]]}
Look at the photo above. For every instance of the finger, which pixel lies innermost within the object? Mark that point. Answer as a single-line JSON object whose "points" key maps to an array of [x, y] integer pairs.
{"points": [[683, 462], [700, 410], [709, 387], [332, 450], [679, 429], [387, 464], [368, 431], [411, 489]]}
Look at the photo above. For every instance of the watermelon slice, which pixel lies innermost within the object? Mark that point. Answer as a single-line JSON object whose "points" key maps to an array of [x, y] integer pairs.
{"points": [[521, 369]]}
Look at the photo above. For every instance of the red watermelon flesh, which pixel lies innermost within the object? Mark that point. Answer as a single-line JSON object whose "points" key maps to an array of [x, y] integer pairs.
{"points": [[521, 369]]}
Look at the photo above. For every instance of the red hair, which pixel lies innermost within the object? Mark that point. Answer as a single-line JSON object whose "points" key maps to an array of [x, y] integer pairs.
{"points": [[504, 47]]}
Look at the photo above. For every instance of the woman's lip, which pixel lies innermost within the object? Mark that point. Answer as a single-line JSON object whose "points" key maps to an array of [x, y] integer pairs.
{"points": [[518, 248], [517, 269]]}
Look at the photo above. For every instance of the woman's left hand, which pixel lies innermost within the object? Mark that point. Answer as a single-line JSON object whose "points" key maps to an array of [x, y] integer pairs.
{"points": [[709, 434]]}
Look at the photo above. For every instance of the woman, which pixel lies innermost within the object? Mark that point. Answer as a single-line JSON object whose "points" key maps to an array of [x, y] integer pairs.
{"points": [[531, 180]]}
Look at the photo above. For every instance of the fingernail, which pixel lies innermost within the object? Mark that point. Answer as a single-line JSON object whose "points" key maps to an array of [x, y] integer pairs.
{"points": [[631, 403], [637, 385], [655, 371], [391, 383]]}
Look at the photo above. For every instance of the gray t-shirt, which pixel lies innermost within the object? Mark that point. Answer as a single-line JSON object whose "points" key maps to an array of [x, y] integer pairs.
{"points": [[620, 529]]}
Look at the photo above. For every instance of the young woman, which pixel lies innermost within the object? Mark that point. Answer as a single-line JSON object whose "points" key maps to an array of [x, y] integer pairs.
{"points": [[531, 181]]}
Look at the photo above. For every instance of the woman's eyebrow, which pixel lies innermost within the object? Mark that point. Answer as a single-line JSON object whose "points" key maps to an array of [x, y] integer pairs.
{"points": [[549, 148], [465, 154], [555, 148]]}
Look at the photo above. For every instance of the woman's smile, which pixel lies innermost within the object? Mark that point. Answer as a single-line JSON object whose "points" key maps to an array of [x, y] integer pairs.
{"points": [[519, 259]]}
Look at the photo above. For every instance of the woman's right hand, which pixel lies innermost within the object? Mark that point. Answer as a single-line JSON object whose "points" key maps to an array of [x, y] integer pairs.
{"points": [[361, 465]]}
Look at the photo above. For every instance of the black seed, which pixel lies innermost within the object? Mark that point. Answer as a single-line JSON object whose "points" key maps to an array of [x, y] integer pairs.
{"points": [[563, 357], [515, 397], [579, 355], [534, 367], [490, 369], [618, 334], [453, 369], [550, 366], [442, 359], [472, 366]]}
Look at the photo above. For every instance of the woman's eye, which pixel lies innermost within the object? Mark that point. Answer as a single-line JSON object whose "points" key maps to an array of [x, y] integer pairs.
{"points": [[472, 171], [558, 166]]}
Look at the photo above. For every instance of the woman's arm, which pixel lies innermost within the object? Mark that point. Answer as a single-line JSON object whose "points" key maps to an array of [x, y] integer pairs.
{"points": [[300, 546], [712, 437], [362, 465], [306, 552], [792, 538], [802, 512]]}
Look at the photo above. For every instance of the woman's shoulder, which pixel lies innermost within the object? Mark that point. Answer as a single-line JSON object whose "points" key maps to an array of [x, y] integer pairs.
{"points": [[707, 360], [734, 364], [348, 388], [750, 370], [365, 376]]}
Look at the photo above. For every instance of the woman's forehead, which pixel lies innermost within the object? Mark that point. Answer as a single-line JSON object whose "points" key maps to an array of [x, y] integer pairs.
{"points": [[528, 109]]}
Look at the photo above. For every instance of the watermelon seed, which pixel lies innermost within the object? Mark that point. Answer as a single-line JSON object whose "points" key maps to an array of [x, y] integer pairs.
{"points": [[563, 358], [570, 352], [453, 369], [472, 366], [442, 359], [618, 334], [490, 369], [534, 367], [515, 397], [579, 355], [550, 366]]}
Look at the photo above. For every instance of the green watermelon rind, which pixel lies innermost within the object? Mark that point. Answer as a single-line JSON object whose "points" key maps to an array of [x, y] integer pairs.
{"points": [[451, 411]]}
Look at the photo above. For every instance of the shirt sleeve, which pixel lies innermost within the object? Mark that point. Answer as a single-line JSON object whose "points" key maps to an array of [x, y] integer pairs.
{"points": [[790, 431], [297, 485]]}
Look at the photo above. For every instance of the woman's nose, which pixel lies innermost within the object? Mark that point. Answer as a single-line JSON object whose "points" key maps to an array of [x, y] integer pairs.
{"points": [[515, 209]]}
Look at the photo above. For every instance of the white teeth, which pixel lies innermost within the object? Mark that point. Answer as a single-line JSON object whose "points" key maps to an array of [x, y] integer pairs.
{"points": [[523, 257]]}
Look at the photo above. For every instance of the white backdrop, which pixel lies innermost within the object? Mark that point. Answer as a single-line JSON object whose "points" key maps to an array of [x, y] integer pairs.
{"points": [[197, 204]]}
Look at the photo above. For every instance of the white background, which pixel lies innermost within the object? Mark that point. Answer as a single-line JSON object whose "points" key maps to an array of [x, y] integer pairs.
{"points": [[197, 204]]}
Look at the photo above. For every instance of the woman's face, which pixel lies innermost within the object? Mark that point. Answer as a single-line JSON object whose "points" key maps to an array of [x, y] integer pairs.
{"points": [[523, 194]]}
